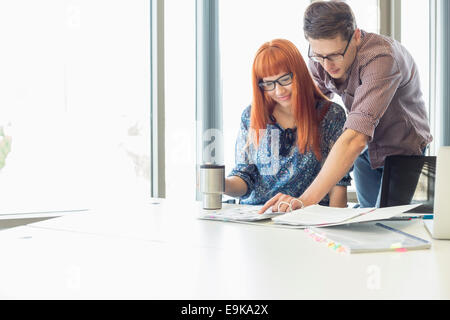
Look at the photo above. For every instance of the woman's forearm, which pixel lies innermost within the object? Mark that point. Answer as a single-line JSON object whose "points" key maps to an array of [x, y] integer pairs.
{"points": [[235, 187], [338, 197]]}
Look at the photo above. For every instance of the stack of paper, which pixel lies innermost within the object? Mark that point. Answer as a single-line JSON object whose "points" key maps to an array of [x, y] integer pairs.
{"points": [[320, 216], [316, 215], [238, 213]]}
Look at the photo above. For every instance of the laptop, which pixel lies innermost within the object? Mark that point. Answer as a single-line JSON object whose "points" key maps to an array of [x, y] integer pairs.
{"points": [[439, 227], [409, 180], [423, 180]]}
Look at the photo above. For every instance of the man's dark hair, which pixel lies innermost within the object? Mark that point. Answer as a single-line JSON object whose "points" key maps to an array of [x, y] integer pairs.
{"points": [[328, 19]]}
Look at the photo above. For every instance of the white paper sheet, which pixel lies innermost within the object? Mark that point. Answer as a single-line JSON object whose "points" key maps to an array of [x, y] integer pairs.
{"points": [[325, 216], [238, 213], [318, 215]]}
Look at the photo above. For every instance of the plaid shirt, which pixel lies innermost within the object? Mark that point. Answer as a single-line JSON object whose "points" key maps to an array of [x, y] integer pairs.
{"points": [[383, 98]]}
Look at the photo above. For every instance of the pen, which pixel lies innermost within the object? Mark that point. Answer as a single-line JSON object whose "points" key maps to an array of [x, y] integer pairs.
{"points": [[401, 218], [426, 216], [400, 232]]}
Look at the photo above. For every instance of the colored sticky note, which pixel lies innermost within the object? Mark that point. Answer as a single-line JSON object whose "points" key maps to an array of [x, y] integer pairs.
{"points": [[396, 245], [341, 249]]}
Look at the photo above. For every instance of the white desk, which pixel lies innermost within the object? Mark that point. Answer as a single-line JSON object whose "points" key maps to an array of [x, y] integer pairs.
{"points": [[164, 252]]}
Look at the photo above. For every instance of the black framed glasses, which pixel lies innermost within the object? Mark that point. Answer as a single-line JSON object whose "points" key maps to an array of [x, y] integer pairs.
{"points": [[337, 57], [284, 80]]}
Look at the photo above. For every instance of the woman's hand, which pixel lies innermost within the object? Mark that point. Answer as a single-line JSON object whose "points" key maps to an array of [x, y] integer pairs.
{"points": [[283, 203]]}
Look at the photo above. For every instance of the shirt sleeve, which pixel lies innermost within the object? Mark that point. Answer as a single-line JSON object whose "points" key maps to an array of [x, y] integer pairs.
{"points": [[380, 79], [332, 128], [318, 77], [244, 166]]}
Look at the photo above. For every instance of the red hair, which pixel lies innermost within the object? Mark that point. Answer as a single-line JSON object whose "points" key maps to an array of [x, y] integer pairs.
{"points": [[272, 58]]}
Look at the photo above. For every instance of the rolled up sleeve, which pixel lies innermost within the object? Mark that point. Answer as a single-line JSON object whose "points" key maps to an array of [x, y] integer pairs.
{"points": [[380, 79]]}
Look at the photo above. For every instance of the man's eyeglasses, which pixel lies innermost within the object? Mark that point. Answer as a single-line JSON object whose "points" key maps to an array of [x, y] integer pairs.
{"points": [[332, 57], [284, 80]]}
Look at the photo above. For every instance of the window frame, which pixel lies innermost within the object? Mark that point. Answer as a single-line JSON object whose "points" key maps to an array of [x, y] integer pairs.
{"points": [[157, 107]]}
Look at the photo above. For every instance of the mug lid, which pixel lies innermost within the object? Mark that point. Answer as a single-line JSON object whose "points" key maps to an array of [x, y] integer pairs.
{"points": [[212, 166]]}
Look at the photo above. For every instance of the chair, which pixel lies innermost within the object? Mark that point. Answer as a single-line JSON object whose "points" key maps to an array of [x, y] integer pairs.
{"points": [[409, 180]]}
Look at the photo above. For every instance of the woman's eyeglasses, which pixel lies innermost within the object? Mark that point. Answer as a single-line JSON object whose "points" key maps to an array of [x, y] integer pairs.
{"points": [[284, 80]]}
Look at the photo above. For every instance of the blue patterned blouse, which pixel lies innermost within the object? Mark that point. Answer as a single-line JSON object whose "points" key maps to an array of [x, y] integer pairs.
{"points": [[269, 170]]}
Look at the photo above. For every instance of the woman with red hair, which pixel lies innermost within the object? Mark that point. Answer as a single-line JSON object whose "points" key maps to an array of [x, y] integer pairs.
{"points": [[286, 133]]}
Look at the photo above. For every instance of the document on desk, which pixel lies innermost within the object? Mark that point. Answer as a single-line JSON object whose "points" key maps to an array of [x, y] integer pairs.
{"points": [[319, 216], [315, 215], [238, 213]]}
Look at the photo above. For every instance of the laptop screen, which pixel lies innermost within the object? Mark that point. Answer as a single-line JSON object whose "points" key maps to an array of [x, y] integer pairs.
{"points": [[409, 180]]}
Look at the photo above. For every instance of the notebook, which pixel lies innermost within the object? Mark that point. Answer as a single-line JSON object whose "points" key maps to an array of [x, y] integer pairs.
{"points": [[322, 216], [238, 213], [366, 237], [409, 179]]}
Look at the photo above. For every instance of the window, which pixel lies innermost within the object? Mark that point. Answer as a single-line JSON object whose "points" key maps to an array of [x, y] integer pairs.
{"points": [[366, 14], [415, 36], [180, 99], [75, 98]]}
